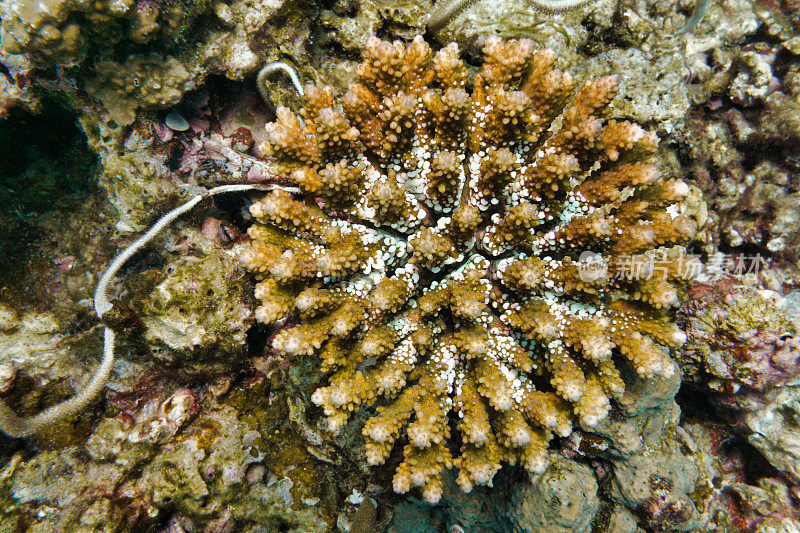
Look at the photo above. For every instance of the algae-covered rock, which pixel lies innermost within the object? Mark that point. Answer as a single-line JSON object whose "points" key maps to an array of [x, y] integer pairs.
{"points": [[32, 342], [349, 24], [65, 491], [563, 499], [410, 518], [668, 482], [597, 39], [774, 430], [14, 87], [188, 40], [741, 343], [234, 49], [643, 79], [646, 407], [740, 140], [142, 81], [621, 520], [203, 475], [198, 301], [656, 470], [206, 475], [739, 502], [561, 32], [65, 31], [138, 184]]}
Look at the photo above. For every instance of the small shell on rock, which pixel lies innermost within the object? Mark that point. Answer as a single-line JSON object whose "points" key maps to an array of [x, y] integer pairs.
{"points": [[356, 497], [793, 45], [179, 407], [175, 121], [256, 473], [223, 11]]}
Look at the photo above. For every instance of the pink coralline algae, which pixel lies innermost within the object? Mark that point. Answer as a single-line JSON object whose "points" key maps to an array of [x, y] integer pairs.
{"points": [[739, 343]]}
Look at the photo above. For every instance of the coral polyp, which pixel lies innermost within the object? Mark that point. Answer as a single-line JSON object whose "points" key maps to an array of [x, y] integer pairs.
{"points": [[461, 255]]}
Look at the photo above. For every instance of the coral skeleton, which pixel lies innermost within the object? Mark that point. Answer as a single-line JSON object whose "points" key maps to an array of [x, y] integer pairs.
{"points": [[461, 253]]}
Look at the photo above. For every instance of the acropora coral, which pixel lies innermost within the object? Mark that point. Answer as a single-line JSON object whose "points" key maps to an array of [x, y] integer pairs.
{"points": [[464, 245]]}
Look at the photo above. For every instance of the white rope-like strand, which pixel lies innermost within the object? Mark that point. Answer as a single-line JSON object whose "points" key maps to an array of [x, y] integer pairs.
{"points": [[448, 10], [559, 6], [445, 12], [268, 69], [15, 426]]}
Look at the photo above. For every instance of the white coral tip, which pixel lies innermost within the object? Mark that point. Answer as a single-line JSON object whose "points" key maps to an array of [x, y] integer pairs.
{"points": [[681, 188], [483, 474], [319, 396], [432, 493], [520, 437], [292, 344], [419, 437], [374, 458], [371, 348], [340, 328], [572, 392], [379, 432], [338, 396], [478, 437], [336, 422], [536, 465], [401, 483], [303, 302]]}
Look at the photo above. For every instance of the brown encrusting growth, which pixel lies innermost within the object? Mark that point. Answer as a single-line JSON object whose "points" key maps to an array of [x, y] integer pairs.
{"points": [[468, 247]]}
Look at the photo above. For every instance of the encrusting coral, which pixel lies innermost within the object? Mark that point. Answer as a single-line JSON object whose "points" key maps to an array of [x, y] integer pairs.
{"points": [[491, 247]]}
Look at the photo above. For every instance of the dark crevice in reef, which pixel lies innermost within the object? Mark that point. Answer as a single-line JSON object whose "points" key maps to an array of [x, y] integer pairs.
{"points": [[46, 170], [42, 157], [603, 37], [698, 406], [695, 404]]}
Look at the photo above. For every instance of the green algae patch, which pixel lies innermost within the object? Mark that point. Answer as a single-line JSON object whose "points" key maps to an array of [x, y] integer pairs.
{"points": [[283, 450]]}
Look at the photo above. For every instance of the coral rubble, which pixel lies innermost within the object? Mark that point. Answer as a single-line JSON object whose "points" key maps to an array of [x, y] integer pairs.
{"points": [[740, 141], [476, 246]]}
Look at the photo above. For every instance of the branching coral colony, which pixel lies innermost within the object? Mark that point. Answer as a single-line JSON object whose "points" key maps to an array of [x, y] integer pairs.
{"points": [[434, 257]]}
